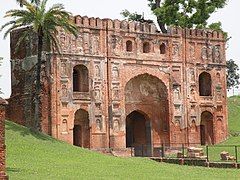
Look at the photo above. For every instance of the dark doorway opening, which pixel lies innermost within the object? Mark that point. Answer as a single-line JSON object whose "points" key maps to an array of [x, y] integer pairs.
{"points": [[138, 134], [77, 136], [81, 130], [202, 131], [206, 128]]}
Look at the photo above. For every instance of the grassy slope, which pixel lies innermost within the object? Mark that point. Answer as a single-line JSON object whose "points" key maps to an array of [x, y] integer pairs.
{"points": [[233, 126], [36, 156], [234, 114]]}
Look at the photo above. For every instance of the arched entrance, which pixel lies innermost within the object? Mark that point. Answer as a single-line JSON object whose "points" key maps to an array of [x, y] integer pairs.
{"points": [[138, 133], [148, 94], [206, 128], [81, 130]]}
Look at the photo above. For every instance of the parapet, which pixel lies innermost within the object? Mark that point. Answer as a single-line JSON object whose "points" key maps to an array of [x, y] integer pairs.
{"points": [[205, 33], [196, 33], [139, 27], [116, 24]]}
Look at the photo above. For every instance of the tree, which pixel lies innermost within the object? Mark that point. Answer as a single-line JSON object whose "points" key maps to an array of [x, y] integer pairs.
{"points": [[232, 75], [44, 23], [184, 13], [218, 27], [134, 16]]}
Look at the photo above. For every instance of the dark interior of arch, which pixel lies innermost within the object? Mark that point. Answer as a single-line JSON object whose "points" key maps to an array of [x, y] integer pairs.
{"points": [[162, 48], [206, 128], [146, 47], [129, 47], [81, 130], [135, 129], [205, 84], [80, 79]]}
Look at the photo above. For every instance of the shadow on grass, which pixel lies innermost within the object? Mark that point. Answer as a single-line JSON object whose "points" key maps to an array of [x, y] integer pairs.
{"points": [[9, 169], [26, 132]]}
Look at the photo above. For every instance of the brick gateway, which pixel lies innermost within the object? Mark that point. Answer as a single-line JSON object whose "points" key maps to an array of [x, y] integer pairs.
{"points": [[122, 84]]}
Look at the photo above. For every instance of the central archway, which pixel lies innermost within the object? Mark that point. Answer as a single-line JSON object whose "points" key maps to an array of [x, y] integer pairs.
{"points": [[138, 133], [147, 109], [81, 130]]}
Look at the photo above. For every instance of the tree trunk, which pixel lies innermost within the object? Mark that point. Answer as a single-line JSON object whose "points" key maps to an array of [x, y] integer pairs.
{"points": [[161, 25], [37, 116]]}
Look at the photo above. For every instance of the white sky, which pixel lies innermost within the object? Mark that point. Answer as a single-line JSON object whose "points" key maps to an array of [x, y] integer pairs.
{"points": [[111, 9]]}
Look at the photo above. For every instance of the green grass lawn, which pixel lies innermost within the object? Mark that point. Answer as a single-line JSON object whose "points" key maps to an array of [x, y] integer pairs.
{"points": [[214, 151], [234, 114], [37, 156]]}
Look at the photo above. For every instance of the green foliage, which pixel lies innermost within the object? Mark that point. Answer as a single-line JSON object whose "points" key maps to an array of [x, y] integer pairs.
{"points": [[37, 156], [218, 27], [41, 21], [232, 74], [134, 16], [184, 13], [131, 16]]}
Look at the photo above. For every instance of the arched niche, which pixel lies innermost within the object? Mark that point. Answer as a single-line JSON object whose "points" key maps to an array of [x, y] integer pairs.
{"points": [[80, 79], [205, 84]]}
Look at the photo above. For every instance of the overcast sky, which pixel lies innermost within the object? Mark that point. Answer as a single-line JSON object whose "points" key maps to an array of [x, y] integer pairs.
{"points": [[111, 9]]}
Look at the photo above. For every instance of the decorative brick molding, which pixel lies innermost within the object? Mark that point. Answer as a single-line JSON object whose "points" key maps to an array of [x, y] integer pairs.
{"points": [[3, 175]]}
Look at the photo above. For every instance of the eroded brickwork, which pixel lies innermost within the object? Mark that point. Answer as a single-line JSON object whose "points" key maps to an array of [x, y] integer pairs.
{"points": [[171, 86], [3, 176]]}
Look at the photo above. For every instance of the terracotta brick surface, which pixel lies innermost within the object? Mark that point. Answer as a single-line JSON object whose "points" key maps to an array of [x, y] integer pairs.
{"points": [[3, 175], [129, 67]]}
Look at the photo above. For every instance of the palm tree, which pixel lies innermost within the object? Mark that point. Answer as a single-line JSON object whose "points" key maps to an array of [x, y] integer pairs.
{"points": [[45, 24]]}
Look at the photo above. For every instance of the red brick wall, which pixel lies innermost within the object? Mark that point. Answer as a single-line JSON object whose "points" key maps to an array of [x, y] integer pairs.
{"points": [[2, 140]]}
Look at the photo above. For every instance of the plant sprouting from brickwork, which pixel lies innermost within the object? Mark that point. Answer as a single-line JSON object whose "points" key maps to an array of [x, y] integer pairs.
{"points": [[134, 16], [44, 24], [218, 27]]}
